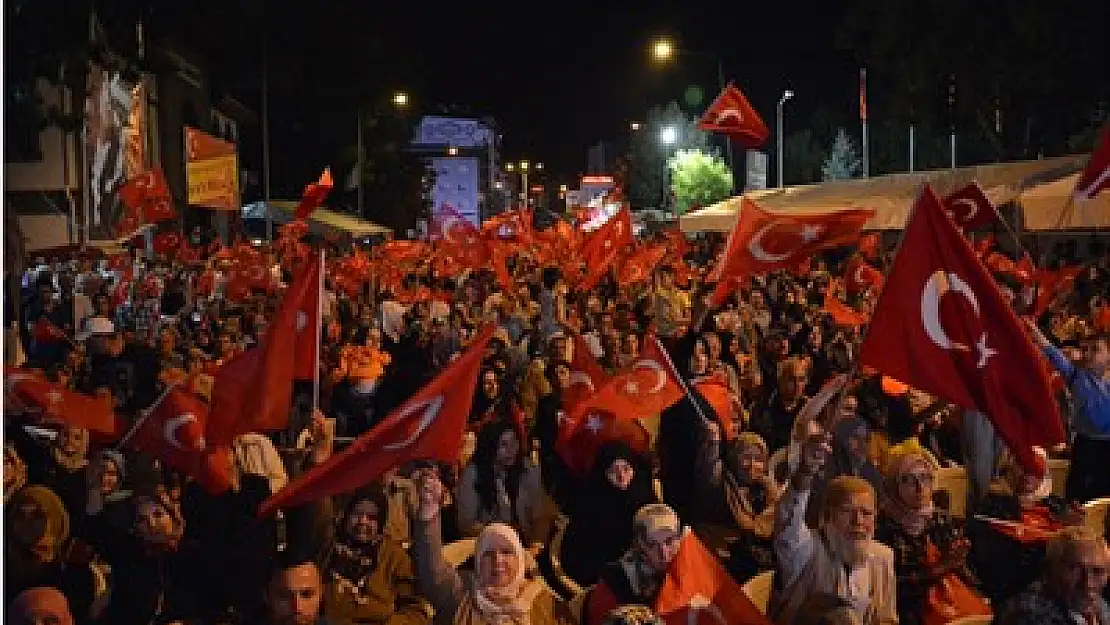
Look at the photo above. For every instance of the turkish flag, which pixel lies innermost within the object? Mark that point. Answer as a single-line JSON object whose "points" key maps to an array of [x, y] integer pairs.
{"points": [[254, 390], [429, 425], [714, 389], [30, 391], [173, 431], [942, 325], [762, 241], [579, 441], [647, 387], [306, 356], [731, 114], [314, 195], [698, 590], [859, 275], [1096, 176], [970, 208], [604, 246], [586, 375], [640, 264], [841, 313]]}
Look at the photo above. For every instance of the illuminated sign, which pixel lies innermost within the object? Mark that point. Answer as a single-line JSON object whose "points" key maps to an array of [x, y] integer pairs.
{"points": [[211, 171], [597, 180]]}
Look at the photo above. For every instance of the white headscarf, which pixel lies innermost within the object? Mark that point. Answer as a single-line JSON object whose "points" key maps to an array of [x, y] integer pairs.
{"points": [[510, 603]]}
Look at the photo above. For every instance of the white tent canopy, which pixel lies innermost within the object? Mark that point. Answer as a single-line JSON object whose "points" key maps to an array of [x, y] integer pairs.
{"points": [[1039, 187]]}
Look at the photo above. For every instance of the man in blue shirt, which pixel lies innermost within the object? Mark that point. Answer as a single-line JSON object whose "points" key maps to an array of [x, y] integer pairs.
{"points": [[1089, 474]]}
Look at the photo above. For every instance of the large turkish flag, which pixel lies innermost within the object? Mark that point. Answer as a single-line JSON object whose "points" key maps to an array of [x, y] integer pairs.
{"points": [[943, 326]]}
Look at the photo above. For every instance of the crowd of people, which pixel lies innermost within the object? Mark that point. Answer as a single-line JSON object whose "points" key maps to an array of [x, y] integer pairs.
{"points": [[821, 478]]}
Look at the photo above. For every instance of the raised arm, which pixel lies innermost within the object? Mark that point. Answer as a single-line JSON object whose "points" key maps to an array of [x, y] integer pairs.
{"points": [[436, 579], [794, 542]]}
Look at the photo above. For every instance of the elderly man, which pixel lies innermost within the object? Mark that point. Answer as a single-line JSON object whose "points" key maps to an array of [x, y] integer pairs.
{"points": [[41, 605], [1076, 564], [839, 559]]}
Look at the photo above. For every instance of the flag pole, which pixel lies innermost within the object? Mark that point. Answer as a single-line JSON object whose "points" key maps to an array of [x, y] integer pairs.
{"points": [[681, 380], [319, 334], [144, 414]]}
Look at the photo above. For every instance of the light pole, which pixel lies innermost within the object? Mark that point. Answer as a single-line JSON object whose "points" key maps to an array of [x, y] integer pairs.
{"points": [[663, 50], [524, 166], [668, 136], [786, 95], [400, 101]]}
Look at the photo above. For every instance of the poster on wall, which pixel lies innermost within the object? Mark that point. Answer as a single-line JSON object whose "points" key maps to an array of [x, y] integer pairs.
{"points": [[211, 171], [456, 185], [115, 129]]}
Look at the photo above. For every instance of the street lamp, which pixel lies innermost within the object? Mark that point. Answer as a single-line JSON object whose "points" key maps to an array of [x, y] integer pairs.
{"points": [[635, 126], [400, 99], [668, 136], [786, 95], [662, 49], [452, 151], [523, 166]]}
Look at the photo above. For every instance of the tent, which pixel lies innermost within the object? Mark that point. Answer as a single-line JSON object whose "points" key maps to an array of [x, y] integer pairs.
{"points": [[322, 220], [892, 196]]}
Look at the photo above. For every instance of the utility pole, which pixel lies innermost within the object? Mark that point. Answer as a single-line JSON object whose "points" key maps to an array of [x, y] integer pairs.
{"points": [[266, 132]]}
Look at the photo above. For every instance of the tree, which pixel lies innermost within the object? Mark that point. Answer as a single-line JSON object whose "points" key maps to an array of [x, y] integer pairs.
{"points": [[843, 161], [647, 155], [396, 183], [698, 178]]}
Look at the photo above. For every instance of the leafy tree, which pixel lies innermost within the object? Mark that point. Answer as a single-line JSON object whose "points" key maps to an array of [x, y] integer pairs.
{"points": [[698, 178], [844, 160], [396, 183], [647, 155]]}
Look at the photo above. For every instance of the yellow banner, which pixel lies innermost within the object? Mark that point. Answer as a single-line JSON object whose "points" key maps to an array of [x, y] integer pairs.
{"points": [[214, 182]]}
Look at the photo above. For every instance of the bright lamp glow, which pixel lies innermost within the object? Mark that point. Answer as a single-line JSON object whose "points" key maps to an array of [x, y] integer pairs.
{"points": [[662, 50], [400, 99], [523, 165], [452, 151], [669, 135]]}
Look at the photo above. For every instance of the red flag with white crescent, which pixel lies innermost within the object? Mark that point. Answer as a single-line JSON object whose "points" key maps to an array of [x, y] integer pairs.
{"points": [[646, 387], [731, 114], [943, 326], [429, 426], [763, 241], [697, 590], [970, 207]]}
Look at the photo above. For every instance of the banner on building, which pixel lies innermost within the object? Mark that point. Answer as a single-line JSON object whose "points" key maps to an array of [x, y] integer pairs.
{"points": [[115, 131], [211, 171]]}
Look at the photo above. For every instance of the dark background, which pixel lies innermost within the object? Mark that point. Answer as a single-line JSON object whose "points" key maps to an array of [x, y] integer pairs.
{"points": [[559, 77]]}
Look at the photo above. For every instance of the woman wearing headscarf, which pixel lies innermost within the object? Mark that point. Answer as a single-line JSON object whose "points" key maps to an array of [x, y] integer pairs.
{"points": [[369, 577], [637, 576], [1007, 563], [501, 591], [500, 484], [741, 495], [38, 550], [930, 552], [601, 515]]}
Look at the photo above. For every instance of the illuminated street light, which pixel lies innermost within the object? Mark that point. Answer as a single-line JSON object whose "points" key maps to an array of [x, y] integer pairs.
{"points": [[786, 95], [562, 188], [669, 135], [662, 49], [510, 166], [452, 151], [400, 99], [523, 165], [635, 126], [539, 165]]}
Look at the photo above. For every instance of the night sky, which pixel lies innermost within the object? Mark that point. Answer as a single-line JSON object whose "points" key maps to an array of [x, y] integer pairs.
{"points": [[558, 77]]}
